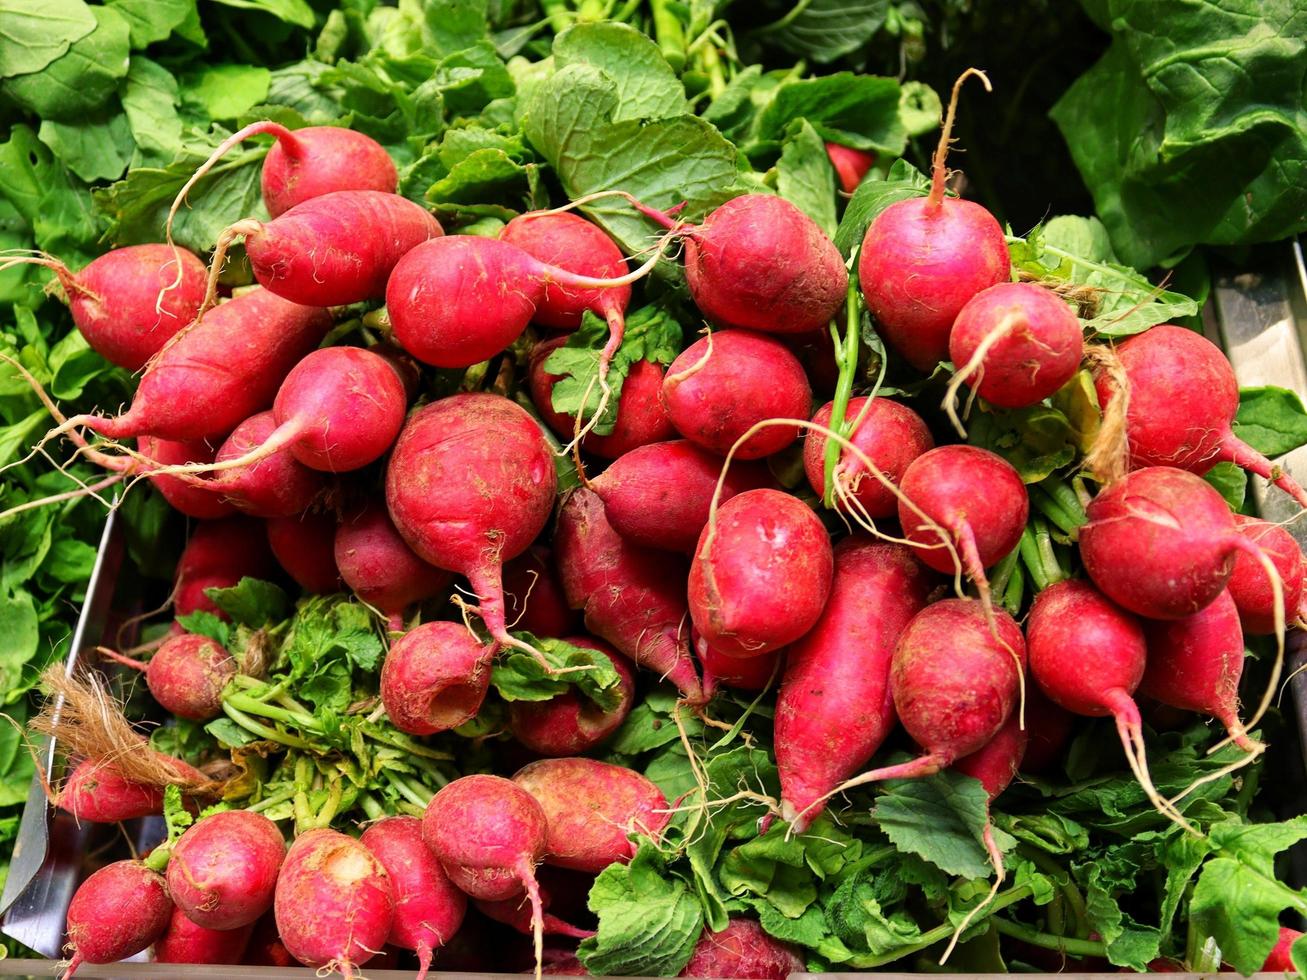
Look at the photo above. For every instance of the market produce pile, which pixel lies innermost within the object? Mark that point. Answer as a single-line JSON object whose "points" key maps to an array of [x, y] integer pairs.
{"points": [[640, 524]]}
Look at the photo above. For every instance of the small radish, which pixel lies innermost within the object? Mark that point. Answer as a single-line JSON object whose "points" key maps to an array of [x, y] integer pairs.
{"points": [[516, 912], [96, 792], [115, 913], [1251, 589], [259, 477], [723, 384], [219, 554], [743, 951], [570, 723], [447, 456], [434, 678], [114, 301], [761, 574], [834, 707], [850, 165], [591, 808], [1281, 955], [334, 902], [186, 675], [534, 595], [265, 947], [922, 259], [304, 547], [1050, 730], [192, 500], [380, 567], [224, 868], [632, 597], [186, 942], [738, 673], [428, 908], [660, 496], [1180, 406], [890, 435]]}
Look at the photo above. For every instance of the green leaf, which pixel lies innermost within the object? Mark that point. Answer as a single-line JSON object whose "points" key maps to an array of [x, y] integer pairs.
{"points": [[647, 87], [98, 148], [518, 676], [296, 12], [150, 99], [20, 635], [152, 20], [34, 33], [806, 178], [940, 819], [251, 602], [84, 78], [53, 203], [205, 623], [453, 25], [920, 108], [1231, 481], [175, 814], [873, 196], [227, 91], [824, 30], [861, 111], [1271, 420], [650, 726], [785, 870], [228, 733], [1076, 235], [1037, 441]]}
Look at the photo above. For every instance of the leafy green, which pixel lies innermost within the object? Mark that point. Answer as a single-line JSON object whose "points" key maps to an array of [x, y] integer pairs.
{"points": [[82, 79], [873, 196], [940, 819], [251, 602], [1037, 441], [862, 111], [823, 30], [1271, 420], [36, 32], [806, 178], [518, 676]]}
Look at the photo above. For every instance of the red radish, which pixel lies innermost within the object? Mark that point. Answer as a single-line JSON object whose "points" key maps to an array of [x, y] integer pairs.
{"points": [[381, 568], [1181, 404], [1281, 956], [1251, 589], [448, 454], [834, 707], [922, 259], [265, 947], [973, 495], [186, 942], [760, 263], [760, 575], [534, 595], [659, 496], [996, 763], [1014, 344], [850, 165], [192, 500], [570, 723], [1050, 730], [115, 300], [591, 809], [224, 868], [564, 964], [1195, 664], [304, 545], [457, 301], [428, 908], [434, 678], [334, 901], [723, 384], [187, 675], [737, 673], [890, 435], [742, 951], [260, 478], [516, 912], [641, 417], [631, 597], [115, 913], [219, 554], [95, 791]]}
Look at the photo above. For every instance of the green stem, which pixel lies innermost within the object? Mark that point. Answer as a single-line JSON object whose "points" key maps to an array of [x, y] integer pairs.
{"points": [[591, 10], [263, 731], [157, 860], [397, 741], [1030, 557], [1067, 498], [1066, 885], [710, 59], [1046, 940], [268, 802], [945, 930], [1002, 573], [669, 33], [254, 706], [1016, 590], [1047, 556], [328, 811], [846, 355], [558, 13], [303, 780], [371, 807], [406, 790], [1046, 504]]}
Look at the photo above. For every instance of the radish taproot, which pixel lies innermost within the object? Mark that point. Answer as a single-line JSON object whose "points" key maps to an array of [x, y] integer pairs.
{"points": [[435, 678], [380, 567], [304, 547], [224, 869], [186, 675], [117, 912], [516, 912], [570, 723]]}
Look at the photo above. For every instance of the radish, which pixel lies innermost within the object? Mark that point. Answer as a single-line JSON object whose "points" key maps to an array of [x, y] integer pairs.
{"points": [[434, 678], [922, 259], [265, 947], [219, 554], [1280, 959], [304, 547], [1180, 406], [1050, 729], [380, 567], [659, 496], [186, 675], [95, 791], [259, 477], [1249, 586], [470, 484], [723, 384], [115, 913], [742, 951], [570, 723], [114, 301], [334, 902], [516, 912], [591, 808], [631, 597], [186, 942], [224, 868], [850, 165], [889, 434], [192, 500], [738, 673], [834, 707], [428, 908], [534, 595]]}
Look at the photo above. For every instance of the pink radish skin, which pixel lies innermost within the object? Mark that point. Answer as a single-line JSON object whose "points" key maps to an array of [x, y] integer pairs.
{"points": [[641, 417], [891, 435], [850, 165], [428, 908], [187, 675], [186, 942], [740, 674], [516, 912], [1251, 589], [334, 901], [304, 547], [591, 808], [997, 762], [761, 575], [434, 678], [448, 453], [659, 496], [224, 868], [1034, 340], [1182, 403], [1281, 955], [534, 595], [1195, 664], [265, 947], [834, 707], [318, 160], [224, 369], [96, 792], [380, 567], [631, 597], [278, 485], [974, 495], [191, 499], [742, 951], [115, 913], [722, 384], [570, 723], [570, 242], [219, 554]]}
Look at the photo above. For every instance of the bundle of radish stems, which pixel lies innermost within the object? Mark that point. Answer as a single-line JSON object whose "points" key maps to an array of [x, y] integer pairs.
{"points": [[685, 555]]}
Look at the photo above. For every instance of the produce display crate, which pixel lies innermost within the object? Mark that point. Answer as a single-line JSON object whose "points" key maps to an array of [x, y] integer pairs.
{"points": [[1257, 313]]}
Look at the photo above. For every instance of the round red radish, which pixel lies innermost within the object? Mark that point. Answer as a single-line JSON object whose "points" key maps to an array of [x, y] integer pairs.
{"points": [[1281, 955], [224, 868], [723, 384], [304, 547], [891, 436], [186, 942], [570, 242], [190, 498], [276, 485], [570, 723], [434, 678], [850, 165], [96, 792], [761, 574], [737, 673], [381, 568], [1025, 339], [318, 160], [219, 554], [997, 762], [187, 675], [117, 912], [1251, 589], [534, 595], [742, 951]]}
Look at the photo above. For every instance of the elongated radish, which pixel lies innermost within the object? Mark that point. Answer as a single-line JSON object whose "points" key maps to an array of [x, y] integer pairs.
{"points": [[381, 568], [191, 500], [434, 678], [304, 547], [97, 792], [1249, 586], [186, 675], [570, 723], [115, 913]]}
